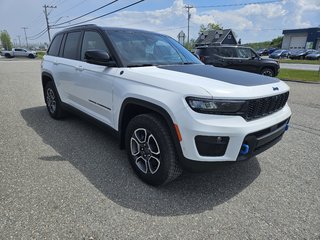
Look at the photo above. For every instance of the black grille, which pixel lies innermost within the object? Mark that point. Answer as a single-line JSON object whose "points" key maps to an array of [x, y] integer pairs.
{"points": [[264, 106]]}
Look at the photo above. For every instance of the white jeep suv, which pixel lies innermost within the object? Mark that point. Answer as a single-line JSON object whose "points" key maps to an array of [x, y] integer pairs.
{"points": [[169, 111]]}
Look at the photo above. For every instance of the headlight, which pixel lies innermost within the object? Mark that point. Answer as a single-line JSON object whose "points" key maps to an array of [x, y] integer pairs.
{"points": [[216, 106]]}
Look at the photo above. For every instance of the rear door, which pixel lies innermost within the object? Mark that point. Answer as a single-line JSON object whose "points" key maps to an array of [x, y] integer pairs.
{"points": [[228, 57], [18, 52], [246, 60], [68, 68]]}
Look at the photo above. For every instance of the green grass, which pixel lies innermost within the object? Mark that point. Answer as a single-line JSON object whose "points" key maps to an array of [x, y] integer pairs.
{"points": [[301, 75], [40, 54], [300, 61]]}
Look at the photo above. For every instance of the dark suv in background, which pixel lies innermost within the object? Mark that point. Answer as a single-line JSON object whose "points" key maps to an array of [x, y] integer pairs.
{"points": [[239, 58]]}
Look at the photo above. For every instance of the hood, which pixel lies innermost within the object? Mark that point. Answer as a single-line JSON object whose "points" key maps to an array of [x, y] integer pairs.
{"points": [[206, 80], [268, 60]]}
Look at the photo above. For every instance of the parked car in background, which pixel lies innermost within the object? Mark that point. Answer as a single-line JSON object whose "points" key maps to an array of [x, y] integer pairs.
{"points": [[313, 56], [239, 58], [19, 52], [280, 53], [301, 53], [271, 50], [262, 52]]}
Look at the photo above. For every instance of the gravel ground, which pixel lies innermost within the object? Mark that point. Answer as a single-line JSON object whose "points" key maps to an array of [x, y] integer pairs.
{"points": [[68, 179]]}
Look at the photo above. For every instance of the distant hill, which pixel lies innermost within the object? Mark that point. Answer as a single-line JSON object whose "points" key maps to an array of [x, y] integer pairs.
{"points": [[274, 43]]}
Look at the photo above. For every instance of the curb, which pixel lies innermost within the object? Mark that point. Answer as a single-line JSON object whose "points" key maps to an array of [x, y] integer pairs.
{"points": [[299, 81]]}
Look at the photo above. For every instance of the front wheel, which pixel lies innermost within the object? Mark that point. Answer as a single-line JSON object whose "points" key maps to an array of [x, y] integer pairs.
{"points": [[151, 150], [267, 72]]}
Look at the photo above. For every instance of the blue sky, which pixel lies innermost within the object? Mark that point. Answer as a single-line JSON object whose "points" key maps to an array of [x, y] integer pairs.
{"points": [[251, 23]]}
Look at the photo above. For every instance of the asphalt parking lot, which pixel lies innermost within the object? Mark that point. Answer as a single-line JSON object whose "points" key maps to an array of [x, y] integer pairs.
{"points": [[69, 180]]}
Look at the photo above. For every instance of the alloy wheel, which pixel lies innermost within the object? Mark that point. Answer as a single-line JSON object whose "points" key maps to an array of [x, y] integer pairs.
{"points": [[51, 102], [145, 151]]}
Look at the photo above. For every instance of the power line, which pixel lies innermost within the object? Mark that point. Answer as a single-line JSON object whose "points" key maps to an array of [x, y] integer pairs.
{"points": [[239, 4], [169, 29], [109, 13], [40, 33], [35, 38], [97, 9], [73, 7]]}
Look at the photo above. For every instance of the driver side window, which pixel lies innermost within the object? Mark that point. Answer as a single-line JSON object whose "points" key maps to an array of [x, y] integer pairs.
{"points": [[92, 41], [245, 53]]}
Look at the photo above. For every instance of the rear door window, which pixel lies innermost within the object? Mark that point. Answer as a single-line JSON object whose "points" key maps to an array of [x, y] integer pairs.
{"points": [[55, 45], [227, 52]]}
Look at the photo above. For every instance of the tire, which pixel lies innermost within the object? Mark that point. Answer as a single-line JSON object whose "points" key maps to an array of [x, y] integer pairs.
{"points": [[267, 72], [31, 56], [151, 150], [53, 102], [7, 55]]}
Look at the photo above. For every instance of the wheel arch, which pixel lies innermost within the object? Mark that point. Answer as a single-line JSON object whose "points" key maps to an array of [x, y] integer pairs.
{"points": [[132, 107], [45, 78], [273, 68]]}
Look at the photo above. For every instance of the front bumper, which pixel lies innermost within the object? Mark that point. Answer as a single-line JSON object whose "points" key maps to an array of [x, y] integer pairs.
{"points": [[259, 134]]}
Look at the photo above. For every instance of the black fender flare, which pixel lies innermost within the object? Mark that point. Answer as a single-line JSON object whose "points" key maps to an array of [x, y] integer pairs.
{"points": [[154, 108]]}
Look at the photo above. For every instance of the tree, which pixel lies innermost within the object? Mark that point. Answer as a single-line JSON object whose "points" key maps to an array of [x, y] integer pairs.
{"points": [[190, 45], [5, 40], [210, 26], [276, 42]]}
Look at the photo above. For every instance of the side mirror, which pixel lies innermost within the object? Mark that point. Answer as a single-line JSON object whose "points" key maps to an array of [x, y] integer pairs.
{"points": [[99, 57]]}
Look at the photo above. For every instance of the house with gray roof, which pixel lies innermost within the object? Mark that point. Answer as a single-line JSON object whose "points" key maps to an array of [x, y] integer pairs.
{"points": [[216, 37]]}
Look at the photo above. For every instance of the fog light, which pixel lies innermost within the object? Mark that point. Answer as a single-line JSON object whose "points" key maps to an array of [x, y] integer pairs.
{"points": [[211, 146]]}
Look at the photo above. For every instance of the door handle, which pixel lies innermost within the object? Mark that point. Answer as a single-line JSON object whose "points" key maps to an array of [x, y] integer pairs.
{"points": [[79, 68], [55, 62]]}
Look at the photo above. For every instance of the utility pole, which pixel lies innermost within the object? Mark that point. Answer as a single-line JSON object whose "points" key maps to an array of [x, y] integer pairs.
{"points": [[25, 34], [19, 40], [189, 16], [47, 20]]}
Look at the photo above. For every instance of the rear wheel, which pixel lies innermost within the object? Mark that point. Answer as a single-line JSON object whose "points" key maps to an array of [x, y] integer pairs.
{"points": [[53, 101], [151, 150], [267, 72], [31, 56]]}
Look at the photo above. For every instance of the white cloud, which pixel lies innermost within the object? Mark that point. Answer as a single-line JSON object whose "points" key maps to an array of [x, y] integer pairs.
{"points": [[258, 22]]}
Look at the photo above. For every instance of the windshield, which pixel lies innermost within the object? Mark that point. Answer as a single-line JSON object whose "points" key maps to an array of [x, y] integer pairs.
{"points": [[297, 51], [278, 51], [146, 49]]}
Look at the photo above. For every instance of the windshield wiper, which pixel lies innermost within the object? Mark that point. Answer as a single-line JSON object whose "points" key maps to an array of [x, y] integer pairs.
{"points": [[142, 65]]}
